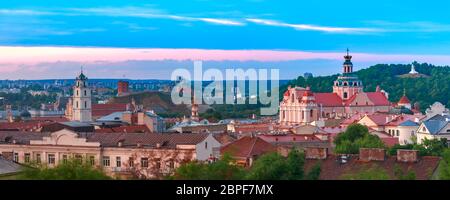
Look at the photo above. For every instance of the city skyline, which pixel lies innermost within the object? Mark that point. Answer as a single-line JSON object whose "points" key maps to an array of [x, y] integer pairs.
{"points": [[139, 40]]}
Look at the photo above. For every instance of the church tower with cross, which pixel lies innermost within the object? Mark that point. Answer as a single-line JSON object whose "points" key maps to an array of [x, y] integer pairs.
{"points": [[81, 100], [348, 84]]}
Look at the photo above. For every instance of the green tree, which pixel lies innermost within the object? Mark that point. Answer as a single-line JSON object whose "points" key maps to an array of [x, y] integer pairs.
{"points": [[444, 168], [398, 172], [355, 137], [223, 169], [71, 170], [314, 173], [271, 166], [372, 173]]}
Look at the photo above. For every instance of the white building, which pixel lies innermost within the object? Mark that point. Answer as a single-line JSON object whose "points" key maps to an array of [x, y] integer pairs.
{"points": [[81, 100]]}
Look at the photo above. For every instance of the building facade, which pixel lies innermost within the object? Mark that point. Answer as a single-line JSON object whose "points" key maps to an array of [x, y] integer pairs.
{"points": [[302, 106]]}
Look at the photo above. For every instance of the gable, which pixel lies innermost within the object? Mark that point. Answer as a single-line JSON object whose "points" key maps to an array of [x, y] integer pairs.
{"points": [[64, 137]]}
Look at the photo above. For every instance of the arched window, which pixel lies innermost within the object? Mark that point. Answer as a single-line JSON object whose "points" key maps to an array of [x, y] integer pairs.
{"points": [[398, 132], [345, 83], [85, 104], [345, 95], [85, 93], [311, 113], [77, 93], [76, 103], [284, 114]]}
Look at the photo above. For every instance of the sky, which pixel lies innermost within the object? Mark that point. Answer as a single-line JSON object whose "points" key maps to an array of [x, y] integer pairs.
{"points": [[149, 39]]}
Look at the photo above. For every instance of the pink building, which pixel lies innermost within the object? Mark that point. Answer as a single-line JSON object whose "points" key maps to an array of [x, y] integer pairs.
{"points": [[302, 106]]}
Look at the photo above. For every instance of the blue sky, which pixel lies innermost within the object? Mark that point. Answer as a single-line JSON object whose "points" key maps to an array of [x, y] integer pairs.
{"points": [[379, 27]]}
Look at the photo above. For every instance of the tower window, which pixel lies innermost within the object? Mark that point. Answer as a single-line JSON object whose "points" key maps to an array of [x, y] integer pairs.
{"points": [[85, 104], [77, 93], [85, 93], [345, 95], [311, 113], [76, 103]]}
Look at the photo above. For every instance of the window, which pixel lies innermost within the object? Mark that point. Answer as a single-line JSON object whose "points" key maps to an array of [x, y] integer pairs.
{"points": [[118, 162], [85, 104], [77, 93], [76, 103], [64, 159], [131, 162], [27, 158], [144, 162], [85, 93], [158, 164], [206, 145], [171, 164], [311, 113], [106, 161], [448, 130], [345, 83], [51, 159], [398, 132], [345, 95], [92, 160], [79, 159], [38, 158], [16, 157]]}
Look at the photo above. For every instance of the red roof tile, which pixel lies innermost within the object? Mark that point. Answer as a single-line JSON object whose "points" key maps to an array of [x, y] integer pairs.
{"points": [[125, 129], [378, 98], [247, 147], [328, 99], [404, 100], [333, 170], [106, 109]]}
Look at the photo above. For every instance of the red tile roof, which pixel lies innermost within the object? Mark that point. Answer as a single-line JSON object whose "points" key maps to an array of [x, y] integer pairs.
{"points": [[289, 138], [378, 98], [390, 141], [166, 140], [125, 129], [247, 147], [328, 99], [404, 100], [333, 170], [106, 109]]}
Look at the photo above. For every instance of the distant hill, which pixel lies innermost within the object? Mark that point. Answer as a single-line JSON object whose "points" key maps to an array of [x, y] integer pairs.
{"points": [[434, 86], [160, 102]]}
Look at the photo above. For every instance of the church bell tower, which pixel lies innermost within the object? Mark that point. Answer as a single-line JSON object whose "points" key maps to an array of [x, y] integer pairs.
{"points": [[81, 100]]}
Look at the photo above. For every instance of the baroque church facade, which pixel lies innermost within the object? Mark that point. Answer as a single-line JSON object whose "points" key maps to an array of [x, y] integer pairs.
{"points": [[302, 106]]}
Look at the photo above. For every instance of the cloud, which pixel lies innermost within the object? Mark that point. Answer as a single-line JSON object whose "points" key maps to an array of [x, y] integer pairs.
{"points": [[152, 13], [23, 12], [313, 27]]}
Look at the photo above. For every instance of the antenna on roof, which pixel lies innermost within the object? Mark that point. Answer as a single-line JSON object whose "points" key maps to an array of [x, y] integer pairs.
{"points": [[347, 51]]}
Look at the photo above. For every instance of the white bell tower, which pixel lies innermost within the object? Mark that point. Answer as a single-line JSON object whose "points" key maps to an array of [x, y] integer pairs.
{"points": [[81, 99]]}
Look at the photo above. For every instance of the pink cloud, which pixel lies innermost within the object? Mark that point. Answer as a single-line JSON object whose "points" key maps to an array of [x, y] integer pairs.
{"points": [[35, 55]]}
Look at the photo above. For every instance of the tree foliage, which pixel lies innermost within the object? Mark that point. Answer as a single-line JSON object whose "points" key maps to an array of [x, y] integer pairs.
{"points": [[372, 173], [70, 170], [433, 147], [270, 166], [355, 137], [444, 168]]}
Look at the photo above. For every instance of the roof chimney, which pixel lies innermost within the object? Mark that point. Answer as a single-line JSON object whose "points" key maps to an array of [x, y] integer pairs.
{"points": [[316, 153], [406, 155], [372, 154]]}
